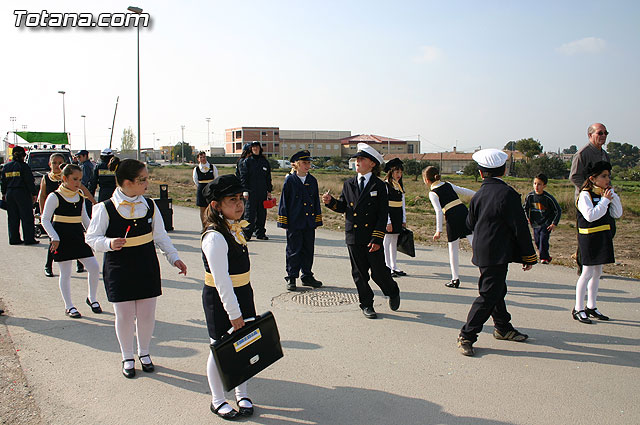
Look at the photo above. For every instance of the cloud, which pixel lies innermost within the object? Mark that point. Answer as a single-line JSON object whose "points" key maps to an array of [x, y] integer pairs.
{"points": [[428, 54], [584, 45]]}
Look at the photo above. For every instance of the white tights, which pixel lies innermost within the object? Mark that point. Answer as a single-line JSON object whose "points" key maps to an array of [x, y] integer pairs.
{"points": [[588, 282], [138, 316], [453, 256], [215, 383], [390, 245], [93, 271]]}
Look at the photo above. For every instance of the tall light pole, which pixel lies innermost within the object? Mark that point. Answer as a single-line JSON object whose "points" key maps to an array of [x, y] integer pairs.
{"points": [[15, 138], [64, 119], [137, 10], [84, 124], [182, 144], [208, 120]]}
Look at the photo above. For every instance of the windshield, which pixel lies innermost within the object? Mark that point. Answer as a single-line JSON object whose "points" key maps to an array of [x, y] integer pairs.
{"points": [[39, 161]]}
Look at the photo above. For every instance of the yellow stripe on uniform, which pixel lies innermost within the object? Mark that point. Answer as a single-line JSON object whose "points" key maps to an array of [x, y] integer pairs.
{"points": [[205, 181], [103, 172], [12, 174], [451, 205], [139, 240], [67, 218], [236, 279], [395, 204], [587, 230]]}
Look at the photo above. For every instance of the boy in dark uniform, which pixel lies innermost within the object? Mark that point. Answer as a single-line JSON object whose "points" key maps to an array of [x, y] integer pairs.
{"points": [[365, 205], [103, 176], [299, 213], [501, 236]]}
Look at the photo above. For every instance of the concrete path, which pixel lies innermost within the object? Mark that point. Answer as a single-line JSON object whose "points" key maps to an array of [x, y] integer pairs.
{"points": [[338, 368]]}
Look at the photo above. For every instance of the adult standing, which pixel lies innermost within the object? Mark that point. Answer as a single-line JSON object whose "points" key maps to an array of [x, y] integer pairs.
{"points": [[87, 171], [255, 175], [103, 176], [19, 192], [205, 172], [589, 155]]}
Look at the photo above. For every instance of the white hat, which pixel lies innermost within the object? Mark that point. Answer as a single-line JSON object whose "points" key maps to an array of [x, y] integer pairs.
{"points": [[490, 158], [106, 151], [369, 152]]}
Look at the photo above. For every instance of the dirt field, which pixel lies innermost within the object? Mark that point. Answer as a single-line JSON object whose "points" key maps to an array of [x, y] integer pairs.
{"points": [[421, 217]]}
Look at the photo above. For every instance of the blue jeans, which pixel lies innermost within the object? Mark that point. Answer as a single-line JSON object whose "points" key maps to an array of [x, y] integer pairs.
{"points": [[541, 237]]}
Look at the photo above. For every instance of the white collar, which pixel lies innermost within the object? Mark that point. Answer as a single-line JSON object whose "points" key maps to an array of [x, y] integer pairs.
{"points": [[119, 196], [366, 177], [204, 167], [436, 184]]}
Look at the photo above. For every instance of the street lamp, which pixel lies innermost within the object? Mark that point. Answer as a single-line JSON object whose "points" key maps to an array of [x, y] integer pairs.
{"points": [[15, 138], [64, 120], [84, 124], [208, 120], [137, 10], [182, 144]]}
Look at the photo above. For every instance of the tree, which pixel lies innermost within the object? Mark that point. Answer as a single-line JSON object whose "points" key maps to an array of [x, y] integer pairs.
{"points": [[623, 154], [337, 161], [128, 140], [529, 147], [412, 168], [273, 163], [471, 169], [570, 150], [176, 152], [510, 146], [552, 167]]}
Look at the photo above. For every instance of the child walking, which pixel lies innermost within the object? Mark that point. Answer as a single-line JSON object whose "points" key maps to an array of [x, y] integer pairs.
{"points": [[227, 296], [598, 205], [299, 213], [126, 228], [64, 218], [543, 212], [397, 214], [445, 201]]}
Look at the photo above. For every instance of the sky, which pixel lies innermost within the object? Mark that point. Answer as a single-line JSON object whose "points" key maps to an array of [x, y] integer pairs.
{"points": [[452, 73]]}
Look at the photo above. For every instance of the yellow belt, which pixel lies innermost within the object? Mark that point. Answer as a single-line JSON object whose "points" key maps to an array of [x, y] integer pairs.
{"points": [[139, 240], [205, 181], [395, 204], [103, 172], [236, 279], [67, 218], [451, 205], [587, 230]]}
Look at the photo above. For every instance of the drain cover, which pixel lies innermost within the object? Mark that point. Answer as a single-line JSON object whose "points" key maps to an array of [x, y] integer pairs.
{"points": [[326, 297]]}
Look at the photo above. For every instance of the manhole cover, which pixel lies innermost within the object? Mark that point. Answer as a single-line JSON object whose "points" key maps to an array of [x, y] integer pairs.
{"points": [[326, 297]]}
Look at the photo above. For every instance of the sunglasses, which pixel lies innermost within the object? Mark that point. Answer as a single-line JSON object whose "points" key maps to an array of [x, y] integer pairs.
{"points": [[602, 133]]}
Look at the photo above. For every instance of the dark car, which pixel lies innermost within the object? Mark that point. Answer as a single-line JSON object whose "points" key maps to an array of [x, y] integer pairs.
{"points": [[38, 160]]}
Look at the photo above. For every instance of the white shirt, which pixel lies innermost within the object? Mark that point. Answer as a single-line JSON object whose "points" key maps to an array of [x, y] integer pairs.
{"points": [[215, 249], [591, 213], [435, 201], [366, 178], [204, 168], [50, 206], [95, 236], [303, 178]]}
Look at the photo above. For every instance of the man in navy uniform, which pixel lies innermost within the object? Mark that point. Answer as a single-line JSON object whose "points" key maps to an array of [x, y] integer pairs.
{"points": [[365, 204], [87, 173], [19, 192], [500, 236], [299, 213], [103, 177]]}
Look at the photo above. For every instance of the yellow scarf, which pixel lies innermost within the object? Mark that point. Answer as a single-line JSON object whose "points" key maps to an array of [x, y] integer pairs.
{"points": [[55, 177], [396, 185], [132, 205], [597, 190], [64, 191], [237, 229]]}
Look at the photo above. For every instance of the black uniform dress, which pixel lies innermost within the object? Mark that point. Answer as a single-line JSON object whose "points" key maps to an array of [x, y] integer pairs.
{"points": [[595, 239], [18, 185], [67, 222], [132, 273], [365, 222], [299, 213], [238, 259], [395, 194], [501, 236], [50, 186], [455, 212], [104, 178], [255, 175], [203, 179]]}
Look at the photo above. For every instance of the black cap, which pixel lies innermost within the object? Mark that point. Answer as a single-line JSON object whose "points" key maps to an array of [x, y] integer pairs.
{"points": [[17, 149], [83, 152], [256, 143], [598, 168], [395, 162], [226, 185], [302, 155]]}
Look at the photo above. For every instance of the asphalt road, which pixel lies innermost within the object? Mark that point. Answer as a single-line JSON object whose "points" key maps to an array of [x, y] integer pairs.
{"points": [[338, 368]]}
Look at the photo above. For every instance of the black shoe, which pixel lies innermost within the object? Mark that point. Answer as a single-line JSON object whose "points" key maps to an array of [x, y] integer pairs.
{"points": [[369, 313], [394, 302], [80, 268], [455, 283], [149, 367], [229, 416], [291, 283], [73, 313], [1, 312], [128, 373], [19, 242], [399, 273], [48, 272], [465, 347], [394, 274], [263, 237], [512, 335], [33, 242], [311, 281], [579, 317], [593, 312], [245, 411], [95, 306]]}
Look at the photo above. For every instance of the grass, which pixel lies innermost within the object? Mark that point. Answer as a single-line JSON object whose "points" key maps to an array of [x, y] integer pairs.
{"points": [[421, 217]]}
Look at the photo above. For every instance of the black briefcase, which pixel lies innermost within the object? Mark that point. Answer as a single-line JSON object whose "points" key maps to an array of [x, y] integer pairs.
{"points": [[405, 242], [247, 351]]}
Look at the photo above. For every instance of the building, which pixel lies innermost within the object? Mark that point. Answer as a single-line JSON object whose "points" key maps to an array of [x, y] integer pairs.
{"points": [[319, 143], [236, 137], [451, 162], [384, 145]]}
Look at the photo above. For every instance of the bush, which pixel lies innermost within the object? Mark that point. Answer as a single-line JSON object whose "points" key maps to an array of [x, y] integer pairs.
{"points": [[273, 163]]}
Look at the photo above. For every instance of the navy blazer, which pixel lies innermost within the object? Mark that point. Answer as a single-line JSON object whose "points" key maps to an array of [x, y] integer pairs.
{"points": [[299, 203], [500, 230]]}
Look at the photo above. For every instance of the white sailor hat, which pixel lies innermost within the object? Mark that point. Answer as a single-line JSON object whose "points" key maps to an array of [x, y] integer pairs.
{"points": [[369, 152], [489, 159], [106, 151]]}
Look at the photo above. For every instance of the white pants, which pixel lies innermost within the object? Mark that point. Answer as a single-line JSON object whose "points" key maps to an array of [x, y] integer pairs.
{"points": [[588, 282], [215, 383], [138, 316], [93, 271], [390, 245], [453, 256]]}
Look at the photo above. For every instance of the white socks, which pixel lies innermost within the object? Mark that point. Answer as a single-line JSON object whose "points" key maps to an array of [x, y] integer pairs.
{"points": [[454, 261], [93, 270], [217, 391], [138, 315], [390, 244], [588, 282]]}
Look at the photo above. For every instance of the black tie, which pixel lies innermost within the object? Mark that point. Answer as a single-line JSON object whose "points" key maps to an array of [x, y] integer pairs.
{"points": [[361, 186]]}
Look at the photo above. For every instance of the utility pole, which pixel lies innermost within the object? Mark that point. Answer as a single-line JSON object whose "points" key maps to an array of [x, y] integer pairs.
{"points": [[182, 144], [208, 121]]}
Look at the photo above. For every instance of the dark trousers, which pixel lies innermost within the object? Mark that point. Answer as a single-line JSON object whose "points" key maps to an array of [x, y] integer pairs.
{"points": [[20, 211], [492, 287], [300, 246], [361, 262], [256, 215], [541, 237]]}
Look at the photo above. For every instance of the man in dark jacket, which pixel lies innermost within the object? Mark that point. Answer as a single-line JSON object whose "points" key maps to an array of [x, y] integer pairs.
{"points": [[19, 192], [255, 175], [103, 177]]}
